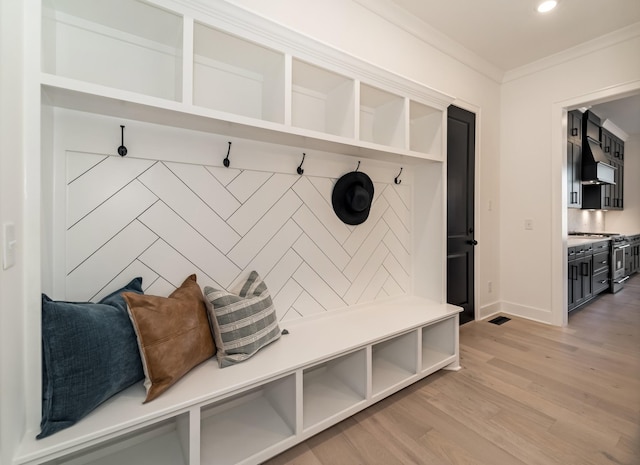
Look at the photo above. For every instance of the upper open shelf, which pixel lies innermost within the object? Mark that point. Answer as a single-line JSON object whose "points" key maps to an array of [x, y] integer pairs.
{"points": [[134, 52], [125, 44], [236, 76]]}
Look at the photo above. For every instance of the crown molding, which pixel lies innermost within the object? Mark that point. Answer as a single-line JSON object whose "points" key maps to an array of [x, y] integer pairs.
{"points": [[585, 48], [409, 23]]}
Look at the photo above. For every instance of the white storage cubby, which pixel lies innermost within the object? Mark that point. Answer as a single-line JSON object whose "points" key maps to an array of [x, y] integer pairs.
{"points": [[124, 44], [234, 75], [322, 100], [393, 362], [248, 424], [439, 344], [333, 387], [163, 443], [382, 117], [425, 129]]}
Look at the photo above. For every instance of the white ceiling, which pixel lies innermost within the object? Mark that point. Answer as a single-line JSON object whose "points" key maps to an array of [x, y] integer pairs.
{"points": [[508, 34]]}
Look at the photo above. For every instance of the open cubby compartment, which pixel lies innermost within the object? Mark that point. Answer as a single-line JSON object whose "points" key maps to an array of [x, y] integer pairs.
{"points": [[333, 387], [236, 76], [394, 361], [425, 129], [322, 100], [249, 423], [162, 443], [382, 117], [124, 44], [438, 344]]}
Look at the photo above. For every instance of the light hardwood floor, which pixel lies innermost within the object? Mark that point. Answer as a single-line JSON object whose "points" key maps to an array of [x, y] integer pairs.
{"points": [[528, 393]]}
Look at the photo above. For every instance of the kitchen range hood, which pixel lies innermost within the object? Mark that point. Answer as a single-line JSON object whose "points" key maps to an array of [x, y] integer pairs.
{"points": [[595, 166]]}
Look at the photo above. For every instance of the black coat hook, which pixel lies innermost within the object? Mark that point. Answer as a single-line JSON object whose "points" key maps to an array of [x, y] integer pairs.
{"points": [[122, 150], [358, 167], [300, 170], [226, 162], [396, 180]]}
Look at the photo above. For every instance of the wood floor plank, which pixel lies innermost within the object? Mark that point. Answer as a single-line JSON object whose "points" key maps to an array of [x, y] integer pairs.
{"points": [[527, 394]]}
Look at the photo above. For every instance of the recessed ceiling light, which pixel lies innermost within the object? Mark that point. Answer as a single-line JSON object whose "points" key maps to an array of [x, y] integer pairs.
{"points": [[547, 5]]}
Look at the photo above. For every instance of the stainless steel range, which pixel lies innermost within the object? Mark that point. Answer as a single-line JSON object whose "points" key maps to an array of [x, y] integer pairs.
{"points": [[618, 266]]}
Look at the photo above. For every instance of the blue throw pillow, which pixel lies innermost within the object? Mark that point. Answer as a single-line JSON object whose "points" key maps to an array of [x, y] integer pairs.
{"points": [[89, 353]]}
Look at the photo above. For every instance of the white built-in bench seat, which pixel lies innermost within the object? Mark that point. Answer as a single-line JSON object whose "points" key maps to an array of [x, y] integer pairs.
{"points": [[326, 369]]}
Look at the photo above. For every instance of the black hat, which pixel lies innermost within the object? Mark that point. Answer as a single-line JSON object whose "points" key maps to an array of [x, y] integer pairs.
{"points": [[352, 197]]}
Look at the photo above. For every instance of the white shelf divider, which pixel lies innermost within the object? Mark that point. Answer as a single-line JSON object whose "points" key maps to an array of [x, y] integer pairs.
{"points": [[187, 61]]}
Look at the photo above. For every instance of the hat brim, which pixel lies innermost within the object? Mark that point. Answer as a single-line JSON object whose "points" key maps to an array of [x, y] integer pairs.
{"points": [[339, 202]]}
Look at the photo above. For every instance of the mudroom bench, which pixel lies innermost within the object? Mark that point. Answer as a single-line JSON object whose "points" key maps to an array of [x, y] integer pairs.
{"points": [[323, 371]]}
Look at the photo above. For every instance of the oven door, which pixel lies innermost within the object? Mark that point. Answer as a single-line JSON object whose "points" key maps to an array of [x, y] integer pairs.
{"points": [[618, 268]]}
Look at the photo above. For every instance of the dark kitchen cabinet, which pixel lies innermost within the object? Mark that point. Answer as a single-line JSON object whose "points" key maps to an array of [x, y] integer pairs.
{"points": [[580, 275], [617, 190], [574, 126], [632, 255], [600, 266], [574, 159], [574, 174], [613, 148]]}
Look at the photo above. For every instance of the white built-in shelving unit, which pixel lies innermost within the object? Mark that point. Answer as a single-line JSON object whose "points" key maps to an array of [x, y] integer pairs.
{"points": [[211, 66], [143, 60]]}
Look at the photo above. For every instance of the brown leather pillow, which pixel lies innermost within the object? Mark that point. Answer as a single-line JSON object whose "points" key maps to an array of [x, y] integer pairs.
{"points": [[173, 334]]}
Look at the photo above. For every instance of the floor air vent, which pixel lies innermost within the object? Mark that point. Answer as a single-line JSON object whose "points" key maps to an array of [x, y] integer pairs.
{"points": [[499, 320]]}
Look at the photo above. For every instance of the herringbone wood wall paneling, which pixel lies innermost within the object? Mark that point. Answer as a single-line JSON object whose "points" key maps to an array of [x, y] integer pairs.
{"points": [[164, 220]]}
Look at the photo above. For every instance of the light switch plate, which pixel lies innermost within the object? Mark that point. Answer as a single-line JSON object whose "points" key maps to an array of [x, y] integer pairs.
{"points": [[8, 245]]}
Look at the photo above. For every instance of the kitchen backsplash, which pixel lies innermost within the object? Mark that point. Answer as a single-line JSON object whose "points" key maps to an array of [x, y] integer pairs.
{"points": [[162, 220], [585, 220]]}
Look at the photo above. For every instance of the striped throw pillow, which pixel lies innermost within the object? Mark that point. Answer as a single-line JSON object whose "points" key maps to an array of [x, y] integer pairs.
{"points": [[244, 323]]}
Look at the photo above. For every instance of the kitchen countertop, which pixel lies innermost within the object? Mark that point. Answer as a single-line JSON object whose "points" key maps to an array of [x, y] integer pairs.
{"points": [[581, 240]]}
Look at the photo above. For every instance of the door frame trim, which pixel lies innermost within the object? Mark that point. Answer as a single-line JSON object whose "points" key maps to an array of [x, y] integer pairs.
{"points": [[559, 222]]}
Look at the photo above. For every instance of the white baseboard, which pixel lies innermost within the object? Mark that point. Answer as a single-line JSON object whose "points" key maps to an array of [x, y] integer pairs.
{"points": [[488, 310], [513, 309]]}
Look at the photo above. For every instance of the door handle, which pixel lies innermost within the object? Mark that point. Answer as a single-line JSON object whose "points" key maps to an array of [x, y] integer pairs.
{"points": [[585, 269], [472, 242]]}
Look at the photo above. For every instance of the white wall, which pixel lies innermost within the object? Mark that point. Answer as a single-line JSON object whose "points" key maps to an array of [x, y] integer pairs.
{"points": [[362, 33], [628, 220], [11, 192], [169, 209], [532, 164]]}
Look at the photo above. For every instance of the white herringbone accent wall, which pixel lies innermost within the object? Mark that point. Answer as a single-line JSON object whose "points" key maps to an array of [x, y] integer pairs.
{"points": [[128, 217]]}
